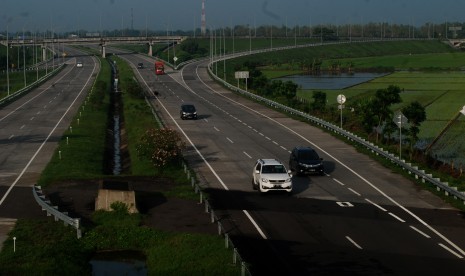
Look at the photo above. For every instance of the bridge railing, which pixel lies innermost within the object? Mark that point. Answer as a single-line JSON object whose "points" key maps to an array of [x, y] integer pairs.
{"points": [[411, 169]]}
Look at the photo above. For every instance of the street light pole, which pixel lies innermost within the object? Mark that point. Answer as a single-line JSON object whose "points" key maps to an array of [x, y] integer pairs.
{"points": [[400, 136], [24, 61], [7, 63]]}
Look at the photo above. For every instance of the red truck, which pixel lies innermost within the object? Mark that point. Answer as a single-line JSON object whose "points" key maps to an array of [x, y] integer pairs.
{"points": [[159, 68]]}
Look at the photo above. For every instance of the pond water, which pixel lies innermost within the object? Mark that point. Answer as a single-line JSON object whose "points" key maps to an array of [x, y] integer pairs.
{"points": [[331, 81], [130, 263]]}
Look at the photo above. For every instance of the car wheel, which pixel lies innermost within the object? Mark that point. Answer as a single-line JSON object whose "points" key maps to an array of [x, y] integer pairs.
{"points": [[254, 186]]}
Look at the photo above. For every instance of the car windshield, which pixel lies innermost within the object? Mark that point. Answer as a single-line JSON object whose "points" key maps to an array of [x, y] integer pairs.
{"points": [[273, 169], [308, 155], [188, 108]]}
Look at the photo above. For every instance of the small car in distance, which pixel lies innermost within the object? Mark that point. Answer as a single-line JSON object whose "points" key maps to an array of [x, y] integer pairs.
{"points": [[79, 64], [305, 160], [188, 111], [140, 65], [271, 175]]}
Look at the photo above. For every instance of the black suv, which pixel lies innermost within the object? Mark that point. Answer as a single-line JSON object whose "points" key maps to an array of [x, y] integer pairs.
{"points": [[188, 111], [305, 160]]}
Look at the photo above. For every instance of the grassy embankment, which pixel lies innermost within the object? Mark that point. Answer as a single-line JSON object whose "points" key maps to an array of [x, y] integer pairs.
{"points": [[47, 247]]}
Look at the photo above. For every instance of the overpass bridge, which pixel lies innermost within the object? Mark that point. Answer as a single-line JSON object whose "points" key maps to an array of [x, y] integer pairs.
{"points": [[101, 41]]}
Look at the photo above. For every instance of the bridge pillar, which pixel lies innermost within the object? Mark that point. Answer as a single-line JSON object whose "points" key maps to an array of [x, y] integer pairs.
{"points": [[44, 53], [150, 49], [103, 50]]}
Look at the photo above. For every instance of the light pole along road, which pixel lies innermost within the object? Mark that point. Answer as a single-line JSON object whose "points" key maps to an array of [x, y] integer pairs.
{"points": [[30, 129], [360, 218]]}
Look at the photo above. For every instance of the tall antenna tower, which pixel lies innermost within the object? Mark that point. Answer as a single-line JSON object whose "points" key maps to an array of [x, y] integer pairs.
{"points": [[204, 23]]}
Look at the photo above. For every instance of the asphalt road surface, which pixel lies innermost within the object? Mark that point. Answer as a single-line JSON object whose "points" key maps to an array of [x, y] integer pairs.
{"points": [[30, 128], [358, 219]]}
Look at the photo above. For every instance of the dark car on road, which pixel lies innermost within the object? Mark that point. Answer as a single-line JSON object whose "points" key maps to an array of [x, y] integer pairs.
{"points": [[140, 65], [305, 160], [188, 111]]}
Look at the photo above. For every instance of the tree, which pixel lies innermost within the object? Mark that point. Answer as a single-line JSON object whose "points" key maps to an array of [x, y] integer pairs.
{"points": [[161, 146], [382, 102], [416, 114], [319, 101], [367, 113], [289, 90]]}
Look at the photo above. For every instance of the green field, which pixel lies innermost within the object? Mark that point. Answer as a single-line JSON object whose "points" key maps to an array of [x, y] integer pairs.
{"points": [[435, 80]]}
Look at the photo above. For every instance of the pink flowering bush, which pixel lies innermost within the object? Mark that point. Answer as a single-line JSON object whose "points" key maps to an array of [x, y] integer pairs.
{"points": [[162, 146]]}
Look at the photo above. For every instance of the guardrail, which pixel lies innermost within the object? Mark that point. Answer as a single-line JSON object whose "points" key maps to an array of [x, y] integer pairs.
{"points": [[53, 210], [26, 89], [236, 257], [418, 173]]}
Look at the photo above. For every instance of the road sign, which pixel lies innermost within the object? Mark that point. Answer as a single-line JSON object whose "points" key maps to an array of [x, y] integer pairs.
{"points": [[241, 74], [341, 99], [463, 110], [175, 59], [399, 119]]}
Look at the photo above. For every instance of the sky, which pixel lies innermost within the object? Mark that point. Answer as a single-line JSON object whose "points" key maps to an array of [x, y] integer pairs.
{"points": [[96, 15]]}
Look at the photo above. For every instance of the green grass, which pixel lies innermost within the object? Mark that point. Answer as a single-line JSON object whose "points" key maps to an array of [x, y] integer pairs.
{"points": [[437, 61], [87, 131], [46, 247], [17, 81]]}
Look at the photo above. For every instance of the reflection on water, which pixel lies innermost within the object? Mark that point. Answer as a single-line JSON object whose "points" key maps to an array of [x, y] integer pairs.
{"points": [[130, 263], [331, 81]]}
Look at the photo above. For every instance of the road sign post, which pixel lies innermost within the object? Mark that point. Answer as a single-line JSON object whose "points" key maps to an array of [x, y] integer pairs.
{"points": [[241, 75], [341, 99], [399, 120]]}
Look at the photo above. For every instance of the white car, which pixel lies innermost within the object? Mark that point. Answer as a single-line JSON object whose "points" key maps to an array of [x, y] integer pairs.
{"points": [[79, 64], [271, 175]]}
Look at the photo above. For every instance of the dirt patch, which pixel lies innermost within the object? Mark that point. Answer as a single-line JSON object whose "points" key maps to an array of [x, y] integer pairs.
{"points": [[160, 212]]}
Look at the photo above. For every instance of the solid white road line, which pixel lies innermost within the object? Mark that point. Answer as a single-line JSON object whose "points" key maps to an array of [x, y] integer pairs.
{"points": [[353, 191], [451, 251], [419, 231], [255, 224], [376, 205], [353, 242], [342, 184], [396, 217]]}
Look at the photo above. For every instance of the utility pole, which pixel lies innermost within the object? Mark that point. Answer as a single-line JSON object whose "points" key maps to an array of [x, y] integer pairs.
{"points": [[203, 27]]}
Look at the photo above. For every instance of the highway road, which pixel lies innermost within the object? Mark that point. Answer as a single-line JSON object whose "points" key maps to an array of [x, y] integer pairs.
{"points": [[358, 219], [30, 129]]}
